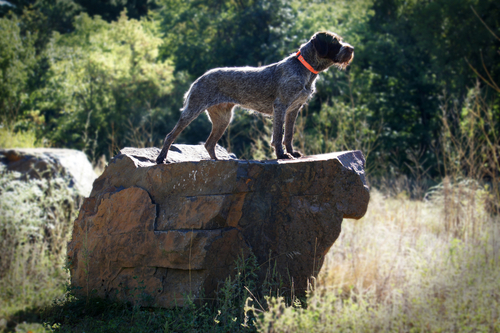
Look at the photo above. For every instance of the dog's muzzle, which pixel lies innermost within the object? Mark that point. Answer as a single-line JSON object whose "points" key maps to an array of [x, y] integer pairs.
{"points": [[346, 54]]}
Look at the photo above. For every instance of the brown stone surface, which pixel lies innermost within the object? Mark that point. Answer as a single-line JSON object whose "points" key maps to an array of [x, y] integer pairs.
{"points": [[167, 230]]}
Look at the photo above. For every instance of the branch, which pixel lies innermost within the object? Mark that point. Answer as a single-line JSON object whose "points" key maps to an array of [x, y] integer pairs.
{"points": [[487, 72], [484, 23], [494, 86]]}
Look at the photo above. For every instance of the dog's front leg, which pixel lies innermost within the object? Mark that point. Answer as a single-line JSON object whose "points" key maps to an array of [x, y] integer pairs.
{"points": [[289, 130], [277, 141]]}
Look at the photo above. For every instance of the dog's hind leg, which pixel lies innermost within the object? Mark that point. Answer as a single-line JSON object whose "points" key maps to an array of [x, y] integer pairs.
{"points": [[187, 116], [220, 115]]}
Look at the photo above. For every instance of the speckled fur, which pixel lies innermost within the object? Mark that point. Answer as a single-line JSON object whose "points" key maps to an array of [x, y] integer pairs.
{"points": [[279, 89]]}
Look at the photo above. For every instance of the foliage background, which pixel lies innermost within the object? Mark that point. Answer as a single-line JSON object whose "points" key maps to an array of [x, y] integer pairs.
{"points": [[99, 76]]}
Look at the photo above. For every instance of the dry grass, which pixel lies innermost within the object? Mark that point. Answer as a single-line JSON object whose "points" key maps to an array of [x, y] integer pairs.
{"points": [[398, 233], [408, 265], [426, 265]]}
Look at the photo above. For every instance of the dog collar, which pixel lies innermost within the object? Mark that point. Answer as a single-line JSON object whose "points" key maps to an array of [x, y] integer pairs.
{"points": [[304, 62]]}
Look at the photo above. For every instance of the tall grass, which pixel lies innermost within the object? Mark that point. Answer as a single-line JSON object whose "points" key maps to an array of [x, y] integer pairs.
{"points": [[35, 224], [406, 266], [470, 144]]}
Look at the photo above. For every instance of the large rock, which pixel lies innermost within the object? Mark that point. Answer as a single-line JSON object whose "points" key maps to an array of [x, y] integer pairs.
{"points": [[51, 162], [175, 229]]}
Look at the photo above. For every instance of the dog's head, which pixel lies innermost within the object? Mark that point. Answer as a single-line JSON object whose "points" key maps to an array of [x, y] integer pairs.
{"points": [[329, 45]]}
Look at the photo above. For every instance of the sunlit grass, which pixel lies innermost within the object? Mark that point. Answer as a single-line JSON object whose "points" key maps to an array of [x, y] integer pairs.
{"points": [[408, 265], [11, 139]]}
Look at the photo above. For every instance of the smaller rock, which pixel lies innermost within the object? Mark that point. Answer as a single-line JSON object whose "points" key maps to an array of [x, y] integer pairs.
{"points": [[51, 162]]}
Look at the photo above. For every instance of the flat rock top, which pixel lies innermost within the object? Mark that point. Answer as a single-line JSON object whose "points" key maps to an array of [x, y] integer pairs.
{"points": [[179, 153]]}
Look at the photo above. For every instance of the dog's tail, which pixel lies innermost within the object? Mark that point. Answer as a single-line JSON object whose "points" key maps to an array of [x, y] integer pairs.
{"points": [[187, 95]]}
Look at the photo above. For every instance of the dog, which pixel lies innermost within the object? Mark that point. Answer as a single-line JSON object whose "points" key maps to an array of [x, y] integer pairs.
{"points": [[279, 89]]}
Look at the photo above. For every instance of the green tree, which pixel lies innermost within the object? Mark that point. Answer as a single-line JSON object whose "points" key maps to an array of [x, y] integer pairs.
{"points": [[200, 35], [110, 10], [416, 51], [17, 60], [106, 85]]}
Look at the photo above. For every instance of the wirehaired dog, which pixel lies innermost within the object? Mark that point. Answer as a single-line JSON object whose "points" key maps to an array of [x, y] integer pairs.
{"points": [[279, 89]]}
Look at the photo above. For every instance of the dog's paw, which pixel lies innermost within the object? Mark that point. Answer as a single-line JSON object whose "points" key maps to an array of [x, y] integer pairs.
{"points": [[286, 156], [296, 154], [160, 160]]}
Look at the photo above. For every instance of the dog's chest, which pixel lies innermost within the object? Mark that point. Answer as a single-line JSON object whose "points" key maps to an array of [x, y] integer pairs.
{"points": [[311, 85]]}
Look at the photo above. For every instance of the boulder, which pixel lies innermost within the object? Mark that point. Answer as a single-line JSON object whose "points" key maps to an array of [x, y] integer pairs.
{"points": [[178, 228], [50, 163]]}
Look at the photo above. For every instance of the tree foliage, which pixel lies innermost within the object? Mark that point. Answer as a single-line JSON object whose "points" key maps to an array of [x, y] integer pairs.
{"points": [[105, 82], [86, 77], [17, 59], [416, 52], [201, 35]]}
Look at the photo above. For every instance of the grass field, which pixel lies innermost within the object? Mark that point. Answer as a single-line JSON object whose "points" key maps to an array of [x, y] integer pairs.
{"points": [[407, 266], [427, 265]]}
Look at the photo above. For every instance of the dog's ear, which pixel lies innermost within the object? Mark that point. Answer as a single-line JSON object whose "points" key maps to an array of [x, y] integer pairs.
{"points": [[321, 42]]}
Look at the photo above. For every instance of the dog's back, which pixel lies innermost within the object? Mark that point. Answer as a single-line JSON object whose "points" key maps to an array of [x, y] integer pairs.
{"points": [[252, 88]]}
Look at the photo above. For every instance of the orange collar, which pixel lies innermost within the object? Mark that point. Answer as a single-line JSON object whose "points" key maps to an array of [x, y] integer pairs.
{"points": [[304, 62]]}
